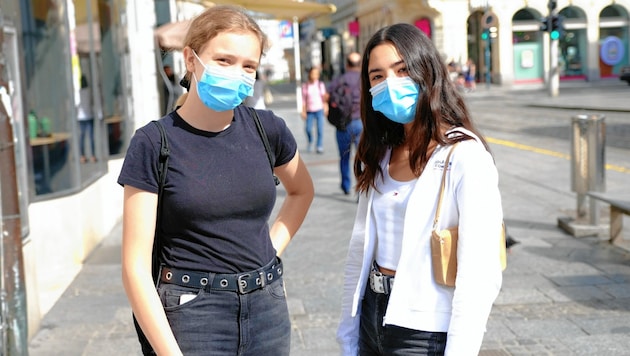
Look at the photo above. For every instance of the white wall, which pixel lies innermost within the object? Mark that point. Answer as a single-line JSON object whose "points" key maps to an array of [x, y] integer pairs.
{"points": [[146, 100], [63, 232]]}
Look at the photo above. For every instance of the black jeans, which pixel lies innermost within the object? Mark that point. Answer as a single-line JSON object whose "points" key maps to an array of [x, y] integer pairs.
{"points": [[376, 339]]}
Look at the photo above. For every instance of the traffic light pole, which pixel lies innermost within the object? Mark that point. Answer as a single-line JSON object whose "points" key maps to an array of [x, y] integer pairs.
{"points": [[554, 71], [487, 61], [553, 30]]}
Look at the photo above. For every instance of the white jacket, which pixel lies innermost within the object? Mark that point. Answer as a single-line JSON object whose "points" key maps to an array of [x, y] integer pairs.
{"points": [[472, 200]]}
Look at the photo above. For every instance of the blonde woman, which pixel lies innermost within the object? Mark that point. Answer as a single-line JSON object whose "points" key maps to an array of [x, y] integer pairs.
{"points": [[220, 288]]}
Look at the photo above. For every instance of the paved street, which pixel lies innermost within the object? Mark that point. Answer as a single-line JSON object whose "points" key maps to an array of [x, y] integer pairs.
{"points": [[561, 295]]}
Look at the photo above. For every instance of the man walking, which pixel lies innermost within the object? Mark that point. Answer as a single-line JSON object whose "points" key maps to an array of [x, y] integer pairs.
{"points": [[351, 133]]}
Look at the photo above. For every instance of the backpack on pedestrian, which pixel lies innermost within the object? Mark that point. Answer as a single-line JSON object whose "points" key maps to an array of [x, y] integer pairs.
{"points": [[340, 105]]}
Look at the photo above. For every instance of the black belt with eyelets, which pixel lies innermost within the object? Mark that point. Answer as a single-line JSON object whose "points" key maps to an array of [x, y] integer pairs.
{"points": [[241, 283]]}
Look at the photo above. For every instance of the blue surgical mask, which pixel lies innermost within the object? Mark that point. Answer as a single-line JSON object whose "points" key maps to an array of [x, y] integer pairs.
{"points": [[396, 98], [221, 89]]}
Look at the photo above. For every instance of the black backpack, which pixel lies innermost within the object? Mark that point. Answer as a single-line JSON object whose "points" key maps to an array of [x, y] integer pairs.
{"points": [[340, 105]]}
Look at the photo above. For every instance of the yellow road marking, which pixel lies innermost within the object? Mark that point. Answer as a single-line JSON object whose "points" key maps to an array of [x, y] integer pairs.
{"points": [[519, 146]]}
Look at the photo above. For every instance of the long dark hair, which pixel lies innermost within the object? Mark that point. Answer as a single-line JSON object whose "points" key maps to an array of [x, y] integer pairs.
{"points": [[439, 108]]}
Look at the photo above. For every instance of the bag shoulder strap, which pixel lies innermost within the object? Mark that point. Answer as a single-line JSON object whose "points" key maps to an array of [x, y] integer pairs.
{"points": [[162, 170], [463, 131], [265, 140], [164, 155], [441, 194]]}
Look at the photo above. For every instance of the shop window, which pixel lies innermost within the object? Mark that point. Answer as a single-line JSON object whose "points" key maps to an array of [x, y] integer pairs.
{"points": [[73, 93], [48, 87], [573, 45]]}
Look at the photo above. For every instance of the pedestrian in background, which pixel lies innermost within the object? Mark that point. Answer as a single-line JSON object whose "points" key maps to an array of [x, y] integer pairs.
{"points": [[412, 115], [85, 116], [349, 136], [470, 74], [314, 108], [220, 288]]}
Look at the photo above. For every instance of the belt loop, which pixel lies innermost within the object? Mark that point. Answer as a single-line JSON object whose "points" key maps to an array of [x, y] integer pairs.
{"points": [[386, 284], [208, 286]]}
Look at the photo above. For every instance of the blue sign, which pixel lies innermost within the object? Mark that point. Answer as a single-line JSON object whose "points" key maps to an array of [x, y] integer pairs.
{"points": [[612, 51], [286, 29]]}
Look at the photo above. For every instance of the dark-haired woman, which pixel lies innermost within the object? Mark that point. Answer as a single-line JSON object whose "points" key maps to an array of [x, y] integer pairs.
{"points": [[412, 115]]}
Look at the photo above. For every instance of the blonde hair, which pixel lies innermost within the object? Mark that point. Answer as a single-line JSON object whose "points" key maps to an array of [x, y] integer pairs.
{"points": [[218, 19]]}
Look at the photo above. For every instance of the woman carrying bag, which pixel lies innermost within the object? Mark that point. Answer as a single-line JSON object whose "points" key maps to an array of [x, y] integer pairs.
{"points": [[392, 303]]}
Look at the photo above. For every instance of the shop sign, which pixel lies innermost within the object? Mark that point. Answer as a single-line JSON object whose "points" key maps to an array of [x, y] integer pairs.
{"points": [[612, 51]]}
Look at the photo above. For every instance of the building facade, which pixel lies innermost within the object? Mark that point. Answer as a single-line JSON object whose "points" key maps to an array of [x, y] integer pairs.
{"points": [[78, 78], [503, 37]]}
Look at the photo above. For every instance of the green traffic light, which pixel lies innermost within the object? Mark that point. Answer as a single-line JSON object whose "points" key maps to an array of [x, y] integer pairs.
{"points": [[484, 35], [554, 35]]}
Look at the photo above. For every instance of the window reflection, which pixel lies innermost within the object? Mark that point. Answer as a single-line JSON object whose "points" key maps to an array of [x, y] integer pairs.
{"points": [[85, 117], [74, 93], [111, 79], [46, 54]]}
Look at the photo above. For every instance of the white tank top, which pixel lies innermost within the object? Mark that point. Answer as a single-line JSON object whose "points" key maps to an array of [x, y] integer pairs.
{"points": [[388, 211]]}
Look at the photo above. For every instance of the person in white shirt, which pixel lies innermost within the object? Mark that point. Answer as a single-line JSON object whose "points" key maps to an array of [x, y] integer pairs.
{"points": [[85, 115], [412, 115]]}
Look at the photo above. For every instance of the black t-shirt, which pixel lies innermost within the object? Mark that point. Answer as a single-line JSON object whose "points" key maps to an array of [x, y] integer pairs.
{"points": [[219, 190]]}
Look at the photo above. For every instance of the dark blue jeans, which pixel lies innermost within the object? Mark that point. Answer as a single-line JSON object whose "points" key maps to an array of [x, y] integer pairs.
{"points": [[316, 117], [228, 323], [345, 139], [376, 339]]}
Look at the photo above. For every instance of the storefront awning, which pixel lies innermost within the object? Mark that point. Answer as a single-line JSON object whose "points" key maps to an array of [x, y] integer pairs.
{"points": [[281, 9], [171, 35]]}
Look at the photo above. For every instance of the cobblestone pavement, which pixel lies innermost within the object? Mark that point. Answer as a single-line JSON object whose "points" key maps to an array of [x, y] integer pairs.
{"points": [[561, 295]]}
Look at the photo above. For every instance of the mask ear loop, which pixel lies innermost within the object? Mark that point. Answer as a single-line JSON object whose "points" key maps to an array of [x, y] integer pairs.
{"points": [[199, 59]]}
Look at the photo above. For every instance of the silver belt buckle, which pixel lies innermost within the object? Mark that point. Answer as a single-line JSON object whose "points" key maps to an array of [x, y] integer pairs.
{"points": [[242, 283], [381, 283], [377, 282]]}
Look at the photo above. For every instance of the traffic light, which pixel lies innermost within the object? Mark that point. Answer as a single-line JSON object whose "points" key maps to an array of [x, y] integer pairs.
{"points": [[557, 27], [485, 35], [544, 24]]}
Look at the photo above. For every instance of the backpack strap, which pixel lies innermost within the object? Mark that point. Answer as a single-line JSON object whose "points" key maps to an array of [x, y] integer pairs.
{"points": [[162, 170], [265, 140], [147, 349]]}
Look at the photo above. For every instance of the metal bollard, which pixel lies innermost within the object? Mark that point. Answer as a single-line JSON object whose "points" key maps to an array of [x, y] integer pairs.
{"points": [[588, 161]]}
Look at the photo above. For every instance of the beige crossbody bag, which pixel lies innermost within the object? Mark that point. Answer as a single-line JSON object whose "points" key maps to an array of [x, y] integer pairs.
{"points": [[444, 242]]}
